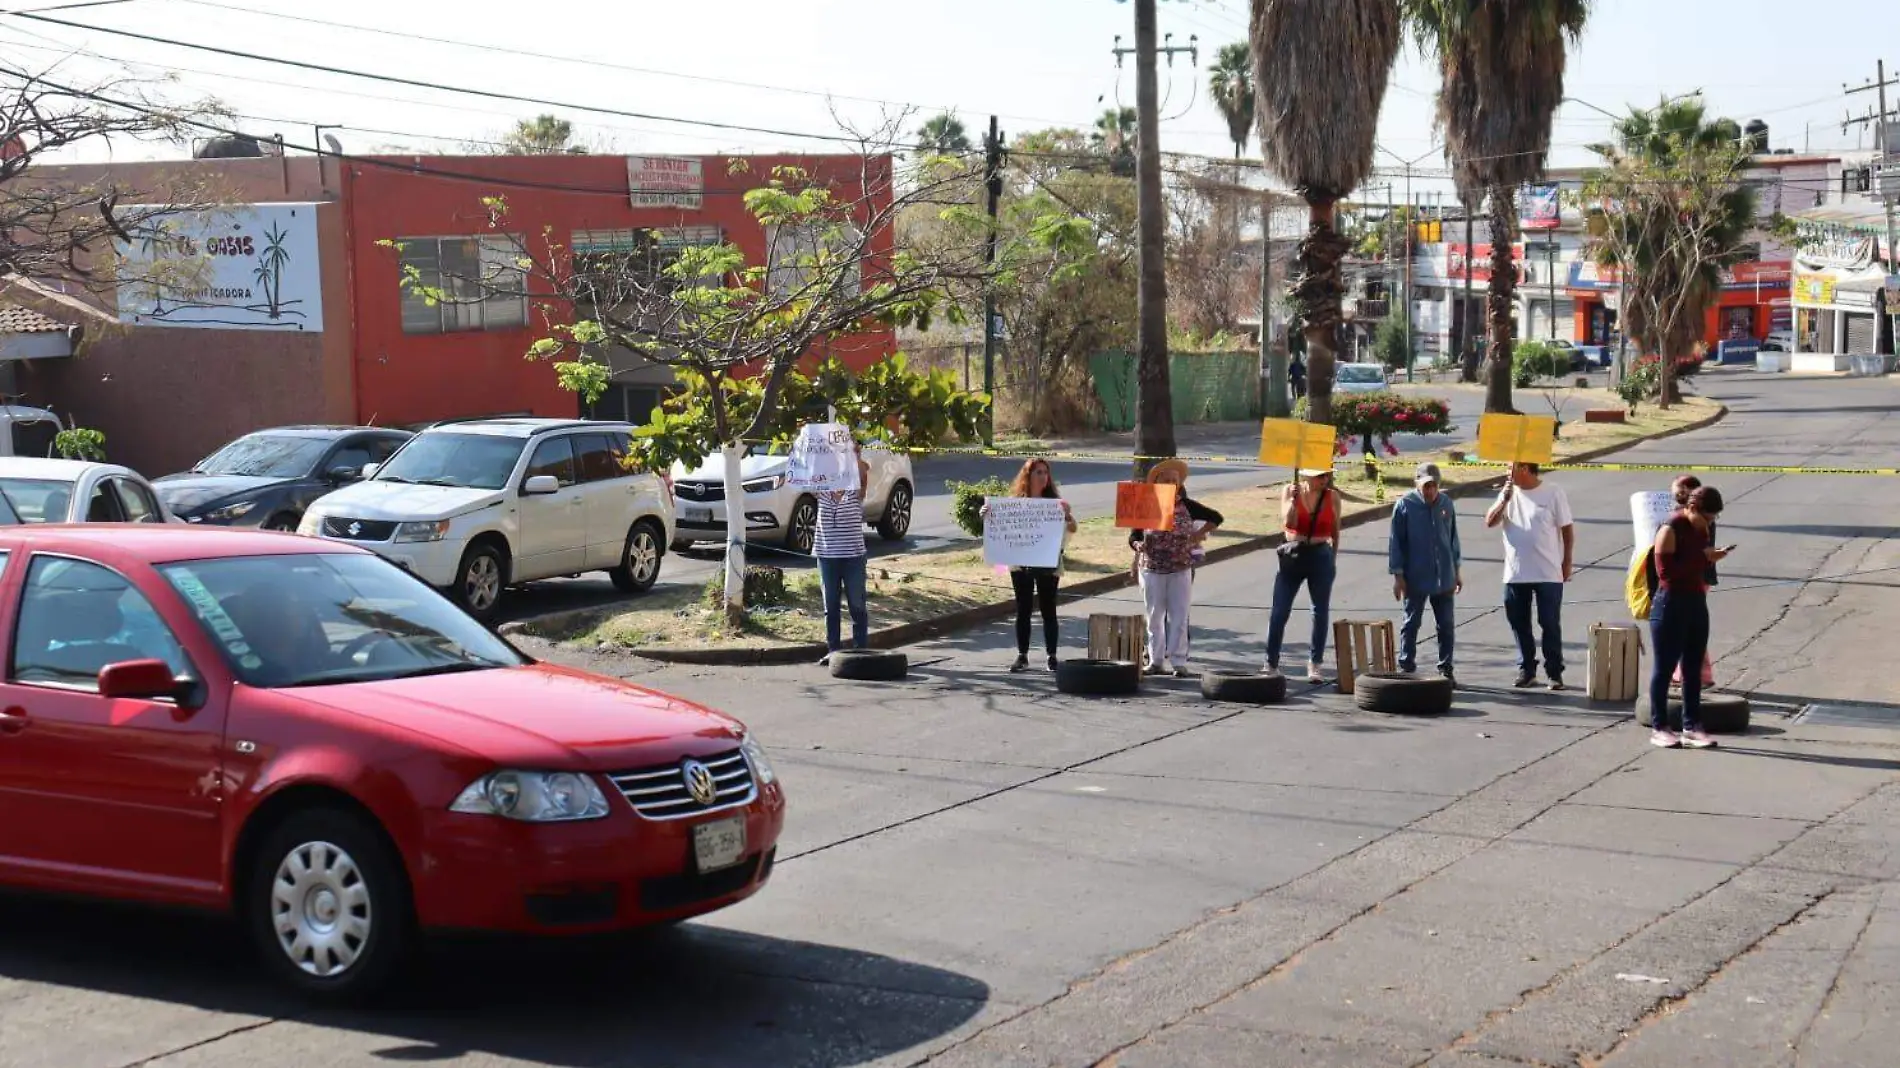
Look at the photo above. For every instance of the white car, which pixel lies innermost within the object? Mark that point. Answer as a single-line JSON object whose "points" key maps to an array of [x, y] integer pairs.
{"points": [[474, 507], [778, 514], [1359, 378], [79, 491]]}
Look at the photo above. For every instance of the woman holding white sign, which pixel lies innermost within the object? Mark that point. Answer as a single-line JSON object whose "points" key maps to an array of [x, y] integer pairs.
{"points": [[1036, 586], [838, 543]]}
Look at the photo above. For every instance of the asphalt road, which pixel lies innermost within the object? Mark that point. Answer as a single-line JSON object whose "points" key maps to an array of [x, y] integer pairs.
{"points": [[1089, 486], [980, 872]]}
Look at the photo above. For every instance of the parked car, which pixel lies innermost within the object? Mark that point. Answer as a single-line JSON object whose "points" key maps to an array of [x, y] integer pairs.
{"points": [[266, 479], [1579, 361], [778, 514], [1359, 378], [298, 732], [29, 431], [477, 506], [79, 491]]}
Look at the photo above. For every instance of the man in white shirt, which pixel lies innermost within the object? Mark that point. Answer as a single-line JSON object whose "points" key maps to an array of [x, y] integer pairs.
{"points": [[1539, 536]]}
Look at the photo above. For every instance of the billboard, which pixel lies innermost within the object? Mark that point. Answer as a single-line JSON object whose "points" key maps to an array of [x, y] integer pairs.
{"points": [[1539, 207], [1477, 264], [244, 267]]}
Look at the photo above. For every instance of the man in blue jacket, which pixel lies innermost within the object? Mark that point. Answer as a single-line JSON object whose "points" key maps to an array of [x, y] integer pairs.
{"points": [[1426, 565]]}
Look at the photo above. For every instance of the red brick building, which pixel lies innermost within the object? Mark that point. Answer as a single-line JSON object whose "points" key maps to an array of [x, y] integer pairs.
{"points": [[341, 339]]}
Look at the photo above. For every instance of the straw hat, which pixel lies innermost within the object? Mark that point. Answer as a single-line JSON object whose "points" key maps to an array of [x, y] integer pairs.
{"points": [[1314, 472], [1176, 467]]}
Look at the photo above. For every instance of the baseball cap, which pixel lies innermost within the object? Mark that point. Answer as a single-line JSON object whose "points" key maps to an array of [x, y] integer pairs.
{"points": [[1425, 473]]}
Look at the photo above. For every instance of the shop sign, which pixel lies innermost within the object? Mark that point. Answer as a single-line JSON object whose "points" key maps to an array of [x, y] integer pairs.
{"points": [[1589, 274], [1758, 273], [1831, 247], [244, 267], [1814, 289], [1475, 261], [665, 182], [1541, 208]]}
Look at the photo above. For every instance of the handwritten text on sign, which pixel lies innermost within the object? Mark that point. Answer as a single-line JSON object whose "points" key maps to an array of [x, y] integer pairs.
{"points": [[823, 458], [1024, 531], [1145, 505]]}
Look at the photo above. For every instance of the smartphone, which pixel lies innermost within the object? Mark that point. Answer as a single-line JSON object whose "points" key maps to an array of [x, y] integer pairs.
{"points": [[1728, 548]]}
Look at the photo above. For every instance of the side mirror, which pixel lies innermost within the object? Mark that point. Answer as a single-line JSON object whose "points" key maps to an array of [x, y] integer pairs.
{"points": [[344, 474], [369, 471], [540, 486], [140, 680]]}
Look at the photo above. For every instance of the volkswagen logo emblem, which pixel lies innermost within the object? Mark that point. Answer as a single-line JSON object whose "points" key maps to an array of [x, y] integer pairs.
{"points": [[699, 782], [355, 529]]}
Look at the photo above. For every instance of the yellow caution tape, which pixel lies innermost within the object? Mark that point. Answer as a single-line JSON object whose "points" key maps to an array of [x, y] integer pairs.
{"points": [[1352, 461]]}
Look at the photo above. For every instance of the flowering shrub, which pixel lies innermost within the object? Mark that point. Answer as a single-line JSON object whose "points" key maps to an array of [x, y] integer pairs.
{"points": [[1385, 414]]}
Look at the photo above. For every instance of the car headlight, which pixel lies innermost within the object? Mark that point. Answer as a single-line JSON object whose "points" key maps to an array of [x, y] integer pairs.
{"points": [[763, 485], [533, 797], [309, 524], [432, 531], [229, 512], [755, 756]]}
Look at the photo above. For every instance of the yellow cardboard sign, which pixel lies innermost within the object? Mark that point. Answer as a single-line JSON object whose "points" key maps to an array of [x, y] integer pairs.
{"points": [[1295, 443], [1518, 439]]}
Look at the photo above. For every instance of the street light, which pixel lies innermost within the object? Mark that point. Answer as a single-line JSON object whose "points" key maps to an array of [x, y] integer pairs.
{"points": [[1410, 354]]}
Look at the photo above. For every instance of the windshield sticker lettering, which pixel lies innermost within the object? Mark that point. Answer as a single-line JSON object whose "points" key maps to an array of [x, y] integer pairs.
{"points": [[214, 615]]}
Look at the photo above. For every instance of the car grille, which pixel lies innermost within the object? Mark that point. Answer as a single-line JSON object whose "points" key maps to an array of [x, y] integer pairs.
{"points": [[700, 491], [678, 891], [662, 794], [358, 529]]}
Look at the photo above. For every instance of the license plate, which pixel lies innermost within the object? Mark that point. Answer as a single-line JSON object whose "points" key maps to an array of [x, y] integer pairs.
{"points": [[719, 844], [699, 515]]}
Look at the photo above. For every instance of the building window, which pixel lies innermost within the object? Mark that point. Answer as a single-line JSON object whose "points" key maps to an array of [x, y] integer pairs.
{"points": [[619, 268], [791, 252], [481, 285]]}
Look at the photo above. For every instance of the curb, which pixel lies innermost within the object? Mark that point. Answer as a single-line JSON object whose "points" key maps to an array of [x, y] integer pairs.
{"points": [[908, 633]]}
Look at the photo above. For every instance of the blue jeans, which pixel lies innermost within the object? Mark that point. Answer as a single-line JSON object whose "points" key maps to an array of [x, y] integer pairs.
{"points": [[1317, 576], [1442, 618], [844, 575], [1550, 619], [1679, 625]]}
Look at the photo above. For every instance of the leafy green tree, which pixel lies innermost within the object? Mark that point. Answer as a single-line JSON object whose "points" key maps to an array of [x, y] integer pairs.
{"points": [[1502, 69], [1672, 211], [1321, 67], [943, 135], [543, 135], [1114, 137]]}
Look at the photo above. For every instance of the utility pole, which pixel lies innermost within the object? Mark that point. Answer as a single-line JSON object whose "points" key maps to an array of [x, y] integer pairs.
{"points": [[1550, 279], [1405, 247], [1464, 313], [1279, 400], [1154, 399], [993, 186], [1887, 184]]}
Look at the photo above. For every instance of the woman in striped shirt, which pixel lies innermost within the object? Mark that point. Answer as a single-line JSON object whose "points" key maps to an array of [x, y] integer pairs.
{"points": [[838, 543]]}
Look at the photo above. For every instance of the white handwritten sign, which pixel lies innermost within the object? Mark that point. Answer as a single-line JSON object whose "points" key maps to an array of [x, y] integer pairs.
{"points": [[823, 458], [1024, 531], [1648, 512]]}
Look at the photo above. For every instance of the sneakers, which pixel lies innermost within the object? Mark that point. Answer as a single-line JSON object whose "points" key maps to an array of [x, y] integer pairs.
{"points": [[1664, 739], [1313, 675], [825, 660], [1697, 740], [1021, 664], [1525, 680], [1447, 674], [1181, 671], [1157, 668], [1052, 661], [1557, 684]]}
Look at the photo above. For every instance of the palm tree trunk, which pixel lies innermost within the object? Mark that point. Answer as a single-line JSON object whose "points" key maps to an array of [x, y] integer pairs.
{"points": [[1501, 303], [1318, 293]]}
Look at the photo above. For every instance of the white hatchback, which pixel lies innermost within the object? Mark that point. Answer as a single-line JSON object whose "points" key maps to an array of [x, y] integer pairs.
{"points": [[477, 506], [78, 491], [778, 514]]}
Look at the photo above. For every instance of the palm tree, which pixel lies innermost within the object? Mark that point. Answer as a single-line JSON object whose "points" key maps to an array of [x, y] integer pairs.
{"points": [[1321, 68], [270, 269], [1230, 82], [1502, 64], [543, 135], [1114, 136], [943, 135]]}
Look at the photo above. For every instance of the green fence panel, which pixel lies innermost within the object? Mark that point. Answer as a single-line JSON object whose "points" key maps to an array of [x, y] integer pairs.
{"points": [[1208, 387]]}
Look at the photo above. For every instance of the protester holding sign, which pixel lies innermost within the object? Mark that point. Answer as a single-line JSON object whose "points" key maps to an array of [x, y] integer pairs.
{"points": [[1539, 540], [1310, 515], [838, 543], [825, 457], [1164, 566], [1035, 583], [1679, 616]]}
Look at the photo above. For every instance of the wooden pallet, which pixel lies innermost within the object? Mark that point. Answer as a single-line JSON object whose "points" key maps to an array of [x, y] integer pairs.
{"points": [[1615, 662], [1363, 647], [1117, 637]]}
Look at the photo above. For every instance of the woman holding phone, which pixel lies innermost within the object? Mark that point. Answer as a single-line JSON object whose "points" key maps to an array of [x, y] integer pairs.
{"points": [[1036, 586], [1679, 616], [1680, 490]]}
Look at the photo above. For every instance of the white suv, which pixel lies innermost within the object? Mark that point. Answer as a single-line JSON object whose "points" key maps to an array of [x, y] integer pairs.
{"points": [[786, 515], [476, 506]]}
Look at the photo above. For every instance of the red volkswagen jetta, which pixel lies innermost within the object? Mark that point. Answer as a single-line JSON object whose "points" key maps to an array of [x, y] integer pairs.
{"points": [[301, 733]]}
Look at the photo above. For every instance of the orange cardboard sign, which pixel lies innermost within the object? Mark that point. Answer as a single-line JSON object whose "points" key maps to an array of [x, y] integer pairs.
{"points": [[1145, 505]]}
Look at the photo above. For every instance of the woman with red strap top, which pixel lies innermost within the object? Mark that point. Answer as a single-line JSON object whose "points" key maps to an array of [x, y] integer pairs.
{"points": [[1679, 617], [1310, 511]]}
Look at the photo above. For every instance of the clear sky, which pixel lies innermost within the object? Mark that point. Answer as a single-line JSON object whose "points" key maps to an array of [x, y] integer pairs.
{"points": [[800, 66]]}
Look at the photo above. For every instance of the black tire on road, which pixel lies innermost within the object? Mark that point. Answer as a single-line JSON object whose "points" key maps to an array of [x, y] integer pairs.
{"points": [[337, 924], [480, 581], [1245, 687], [1722, 713], [640, 558], [1403, 695], [1098, 678], [869, 665], [896, 521]]}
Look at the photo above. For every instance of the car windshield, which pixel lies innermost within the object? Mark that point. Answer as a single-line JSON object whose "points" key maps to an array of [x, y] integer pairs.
{"points": [[473, 461], [332, 618], [265, 456], [9, 515], [38, 500], [1359, 372]]}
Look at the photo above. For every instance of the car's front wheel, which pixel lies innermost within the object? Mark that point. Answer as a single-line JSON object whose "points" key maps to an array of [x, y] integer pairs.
{"points": [[327, 903], [896, 521], [639, 559], [479, 581], [802, 525]]}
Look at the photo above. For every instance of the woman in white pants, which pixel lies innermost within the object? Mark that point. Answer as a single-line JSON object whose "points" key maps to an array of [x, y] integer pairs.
{"points": [[1165, 566]]}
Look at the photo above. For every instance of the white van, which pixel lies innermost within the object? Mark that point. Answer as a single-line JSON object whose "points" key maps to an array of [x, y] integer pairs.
{"points": [[29, 431]]}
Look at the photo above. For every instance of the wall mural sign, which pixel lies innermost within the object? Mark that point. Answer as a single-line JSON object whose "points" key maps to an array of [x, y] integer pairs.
{"points": [[244, 267]]}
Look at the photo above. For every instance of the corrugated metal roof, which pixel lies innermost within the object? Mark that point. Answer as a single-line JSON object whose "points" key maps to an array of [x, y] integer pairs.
{"points": [[17, 320]]}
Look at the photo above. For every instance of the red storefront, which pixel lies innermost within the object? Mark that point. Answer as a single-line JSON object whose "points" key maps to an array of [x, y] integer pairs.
{"points": [[1752, 303]]}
